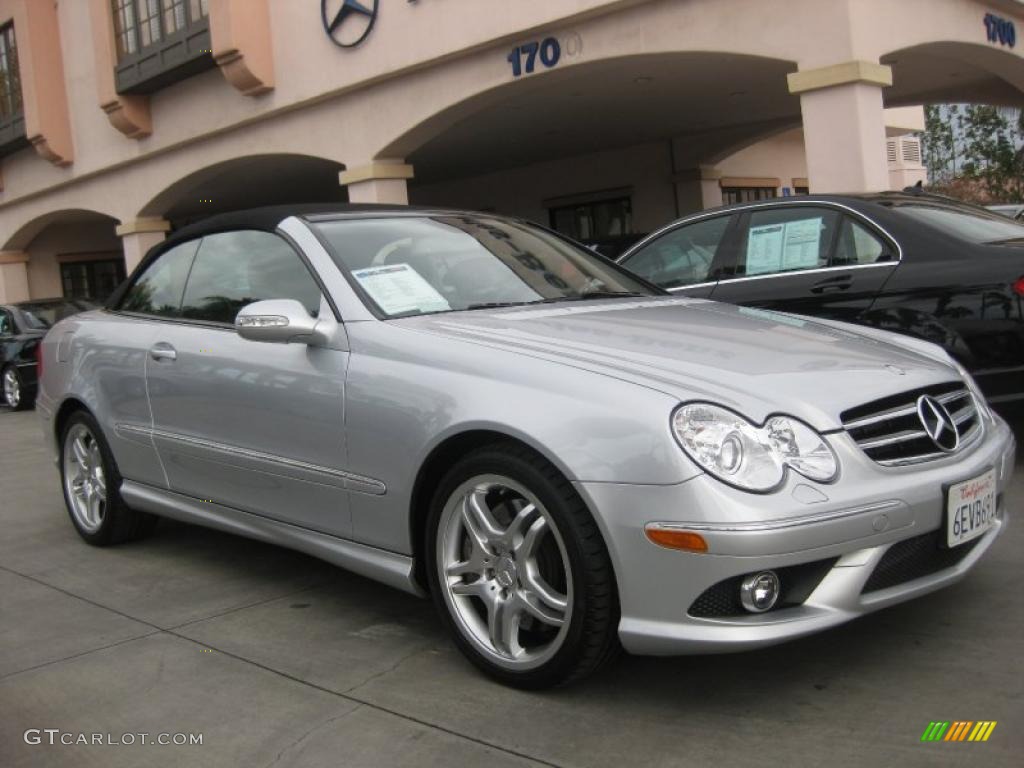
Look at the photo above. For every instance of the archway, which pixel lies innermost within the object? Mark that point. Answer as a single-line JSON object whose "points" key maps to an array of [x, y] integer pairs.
{"points": [[608, 103], [621, 132], [72, 253], [946, 72], [247, 182]]}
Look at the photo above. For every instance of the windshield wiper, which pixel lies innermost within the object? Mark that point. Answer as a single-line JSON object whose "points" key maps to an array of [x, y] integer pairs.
{"points": [[605, 295], [555, 299], [500, 304]]}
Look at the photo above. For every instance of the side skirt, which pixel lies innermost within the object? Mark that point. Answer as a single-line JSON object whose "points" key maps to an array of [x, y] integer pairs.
{"points": [[386, 567]]}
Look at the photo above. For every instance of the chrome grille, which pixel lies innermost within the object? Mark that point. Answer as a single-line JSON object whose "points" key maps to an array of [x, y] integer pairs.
{"points": [[890, 432]]}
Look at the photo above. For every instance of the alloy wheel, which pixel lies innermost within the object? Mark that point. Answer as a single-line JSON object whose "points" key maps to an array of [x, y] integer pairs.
{"points": [[12, 389], [504, 572], [85, 483]]}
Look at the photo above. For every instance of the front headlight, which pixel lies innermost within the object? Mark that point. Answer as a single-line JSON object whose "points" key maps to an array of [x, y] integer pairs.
{"points": [[750, 457]]}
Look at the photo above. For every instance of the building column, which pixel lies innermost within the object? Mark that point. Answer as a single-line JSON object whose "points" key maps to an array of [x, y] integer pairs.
{"points": [[138, 236], [13, 277], [382, 181], [710, 186], [844, 125], [698, 189]]}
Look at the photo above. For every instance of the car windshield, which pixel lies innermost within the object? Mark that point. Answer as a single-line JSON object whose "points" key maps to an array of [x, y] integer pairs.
{"points": [[965, 223], [43, 315], [446, 263]]}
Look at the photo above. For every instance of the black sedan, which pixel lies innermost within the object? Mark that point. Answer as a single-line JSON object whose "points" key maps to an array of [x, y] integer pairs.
{"points": [[917, 264], [22, 325]]}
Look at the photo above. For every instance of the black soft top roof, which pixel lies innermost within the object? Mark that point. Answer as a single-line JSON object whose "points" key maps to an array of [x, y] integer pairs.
{"points": [[268, 218]]}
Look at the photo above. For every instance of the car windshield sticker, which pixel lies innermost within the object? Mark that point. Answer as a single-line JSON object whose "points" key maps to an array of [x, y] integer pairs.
{"points": [[399, 288], [782, 247]]}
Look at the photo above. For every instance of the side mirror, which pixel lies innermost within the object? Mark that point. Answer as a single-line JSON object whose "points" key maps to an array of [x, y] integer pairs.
{"points": [[280, 321]]}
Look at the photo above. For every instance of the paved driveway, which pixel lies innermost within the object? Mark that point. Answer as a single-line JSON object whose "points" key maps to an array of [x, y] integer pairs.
{"points": [[278, 659]]}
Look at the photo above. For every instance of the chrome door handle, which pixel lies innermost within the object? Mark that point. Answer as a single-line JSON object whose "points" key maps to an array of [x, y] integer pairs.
{"points": [[163, 351], [833, 284]]}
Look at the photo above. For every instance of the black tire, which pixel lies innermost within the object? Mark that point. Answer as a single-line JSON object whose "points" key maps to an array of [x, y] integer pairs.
{"points": [[120, 523], [24, 402], [592, 636]]}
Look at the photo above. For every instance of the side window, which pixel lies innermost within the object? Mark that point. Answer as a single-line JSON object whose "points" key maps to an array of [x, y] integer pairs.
{"points": [[159, 289], [233, 269], [683, 256], [857, 245], [787, 240], [6, 324]]}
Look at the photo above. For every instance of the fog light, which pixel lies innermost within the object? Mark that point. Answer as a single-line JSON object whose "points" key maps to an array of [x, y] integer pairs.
{"points": [[759, 591]]}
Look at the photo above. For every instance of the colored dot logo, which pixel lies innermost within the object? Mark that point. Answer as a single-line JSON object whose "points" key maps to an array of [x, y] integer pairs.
{"points": [[958, 730]]}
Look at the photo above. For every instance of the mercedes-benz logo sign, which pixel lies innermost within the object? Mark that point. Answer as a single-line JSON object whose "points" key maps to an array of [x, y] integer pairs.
{"points": [[938, 423], [348, 22]]}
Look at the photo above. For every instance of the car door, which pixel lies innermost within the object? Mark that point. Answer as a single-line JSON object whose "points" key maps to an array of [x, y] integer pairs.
{"points": [[19, 337], [8, 332], [113, 348], [9, 343], [807, 259], [687, 259], [251, 425]]}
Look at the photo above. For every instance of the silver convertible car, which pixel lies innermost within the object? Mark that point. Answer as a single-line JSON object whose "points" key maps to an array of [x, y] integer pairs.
{"points": [[567, 459]]}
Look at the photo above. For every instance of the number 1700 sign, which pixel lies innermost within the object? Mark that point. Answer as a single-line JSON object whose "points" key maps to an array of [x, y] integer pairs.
{"points": [[548, 52]]}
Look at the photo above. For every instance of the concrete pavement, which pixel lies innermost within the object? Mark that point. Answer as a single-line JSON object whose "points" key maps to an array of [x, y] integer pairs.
{"points": [[279, 659]]}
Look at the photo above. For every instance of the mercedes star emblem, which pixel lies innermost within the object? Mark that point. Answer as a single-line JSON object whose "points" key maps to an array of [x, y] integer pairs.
{"points": [[937, 423], [348, 22]]}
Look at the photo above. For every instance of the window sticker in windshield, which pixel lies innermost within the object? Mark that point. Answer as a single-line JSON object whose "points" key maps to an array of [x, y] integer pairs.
{"points": [[399, 288], [782, 247]]}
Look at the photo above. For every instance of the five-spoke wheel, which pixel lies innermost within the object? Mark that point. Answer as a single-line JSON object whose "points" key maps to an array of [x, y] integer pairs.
{"points": [[519, 570], [12, 389], [85, 483], [92, 485], [505, 574]]}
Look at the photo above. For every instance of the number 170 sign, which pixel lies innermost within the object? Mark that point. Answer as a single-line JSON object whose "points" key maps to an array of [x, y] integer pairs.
{"points": [[545, 53]]}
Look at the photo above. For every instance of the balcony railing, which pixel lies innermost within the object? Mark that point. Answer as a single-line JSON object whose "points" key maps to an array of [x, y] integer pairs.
{"points": [[159, 42], [12, 114]]}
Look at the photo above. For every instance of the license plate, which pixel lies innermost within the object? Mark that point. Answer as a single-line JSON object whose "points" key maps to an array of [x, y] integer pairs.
{"points": [[970, 508]]}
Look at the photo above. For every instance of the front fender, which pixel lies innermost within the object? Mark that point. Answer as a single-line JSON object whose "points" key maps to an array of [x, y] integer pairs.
{"points": [[404, 398]]}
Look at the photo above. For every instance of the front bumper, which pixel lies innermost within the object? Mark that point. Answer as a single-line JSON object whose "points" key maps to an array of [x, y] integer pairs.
{"points": [[853, 521]]}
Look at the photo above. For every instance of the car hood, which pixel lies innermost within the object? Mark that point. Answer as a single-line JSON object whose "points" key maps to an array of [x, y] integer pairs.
{"points": [[755, 361]]}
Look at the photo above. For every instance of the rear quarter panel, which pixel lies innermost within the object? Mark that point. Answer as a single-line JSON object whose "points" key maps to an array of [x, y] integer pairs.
{"points": [[960, 296]]}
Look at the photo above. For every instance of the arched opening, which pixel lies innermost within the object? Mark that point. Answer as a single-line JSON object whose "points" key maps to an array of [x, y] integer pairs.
{"points": [[951, 72], [71, 253], [247, 182], [947, 73], [609, 148]]}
